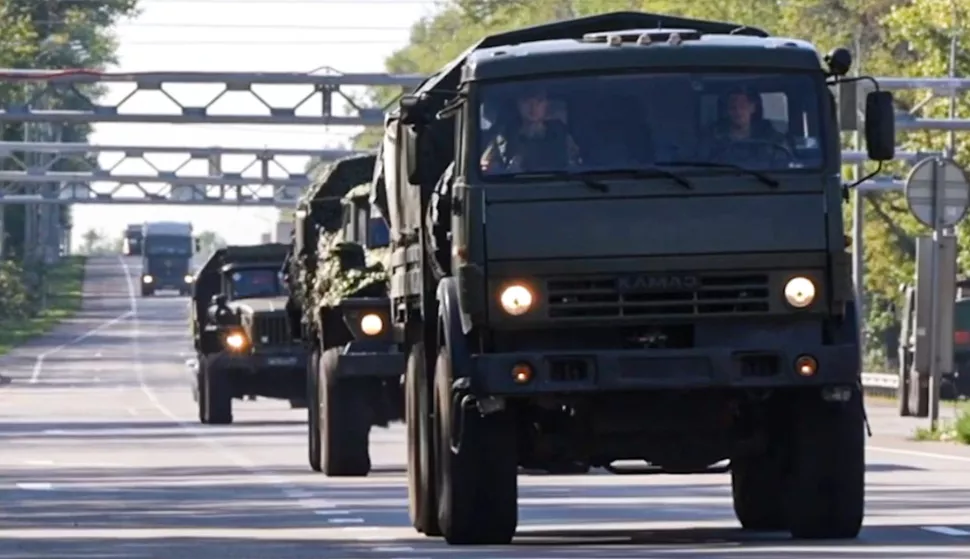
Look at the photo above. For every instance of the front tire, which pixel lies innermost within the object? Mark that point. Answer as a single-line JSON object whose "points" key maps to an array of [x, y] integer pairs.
{"points": [[344, 420], [826, 492], [217, 396], [477, 481], [758, 491]]}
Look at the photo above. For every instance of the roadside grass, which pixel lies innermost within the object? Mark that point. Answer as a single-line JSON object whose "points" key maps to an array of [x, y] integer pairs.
{"points": [[957, 431], [65, 282]]}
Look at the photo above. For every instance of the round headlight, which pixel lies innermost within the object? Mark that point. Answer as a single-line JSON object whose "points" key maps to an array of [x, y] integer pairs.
{"points": [[188, 278], [516, 300], [236, 341], [147, 279], [371, 324], [800, 292]]}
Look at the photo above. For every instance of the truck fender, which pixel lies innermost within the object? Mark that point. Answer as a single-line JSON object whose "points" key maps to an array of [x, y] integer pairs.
{"points": [[449, 327]]}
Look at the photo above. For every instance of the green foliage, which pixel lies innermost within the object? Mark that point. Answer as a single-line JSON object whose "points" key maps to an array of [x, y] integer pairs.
{"points": [[346, 270], [55, 34], [62, 300], [894, 38]]}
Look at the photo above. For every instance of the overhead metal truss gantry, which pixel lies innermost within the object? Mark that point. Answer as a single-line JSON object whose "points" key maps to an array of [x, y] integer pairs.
{"points": [[190, 176], [55, 173]]}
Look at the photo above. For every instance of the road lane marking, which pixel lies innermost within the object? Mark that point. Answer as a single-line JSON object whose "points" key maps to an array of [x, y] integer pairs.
{"points": [[947, 531], [285, 486], [921, 454], [345, 520], [39, 462], [39, 362], [35, 486]]}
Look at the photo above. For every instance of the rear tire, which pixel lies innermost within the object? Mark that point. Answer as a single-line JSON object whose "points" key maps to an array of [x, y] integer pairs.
{"points": [[826, 486], [477, 481], [314, 449], [422, 499], [345, 421]]}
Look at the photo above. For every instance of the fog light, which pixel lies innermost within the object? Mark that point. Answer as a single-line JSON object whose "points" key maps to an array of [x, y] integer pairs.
{"points": [[521, 373], [806, 366]]}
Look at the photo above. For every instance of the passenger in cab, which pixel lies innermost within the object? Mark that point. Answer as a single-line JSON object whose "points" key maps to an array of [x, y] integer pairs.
{"points": [[531, 139], [743, 131]]}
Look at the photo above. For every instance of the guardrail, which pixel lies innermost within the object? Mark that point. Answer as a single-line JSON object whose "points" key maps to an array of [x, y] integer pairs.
{"points": [[880, 384]]}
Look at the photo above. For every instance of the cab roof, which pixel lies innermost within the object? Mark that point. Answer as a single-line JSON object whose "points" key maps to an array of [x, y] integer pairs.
{"points": [[578, 55]]}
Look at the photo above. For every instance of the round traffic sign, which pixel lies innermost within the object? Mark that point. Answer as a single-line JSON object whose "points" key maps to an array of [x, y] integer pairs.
{"points": [[951, 184]]}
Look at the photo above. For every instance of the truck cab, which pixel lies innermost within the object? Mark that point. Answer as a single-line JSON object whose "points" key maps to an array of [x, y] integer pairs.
{"points": [[620, 238]]}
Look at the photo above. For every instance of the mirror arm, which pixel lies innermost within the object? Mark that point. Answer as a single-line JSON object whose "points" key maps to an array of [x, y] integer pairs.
{"points": [[869, 79], [848, 186]]}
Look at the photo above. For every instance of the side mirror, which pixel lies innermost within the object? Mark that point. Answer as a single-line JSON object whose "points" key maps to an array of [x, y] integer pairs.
{"points": [[410, 109], [414, 161], [839, 61], [880, 126], [198, 244]]}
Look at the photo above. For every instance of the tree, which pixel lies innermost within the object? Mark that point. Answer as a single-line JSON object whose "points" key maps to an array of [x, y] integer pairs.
{"points": [[55, 34], [92, 239], [209, 241]]}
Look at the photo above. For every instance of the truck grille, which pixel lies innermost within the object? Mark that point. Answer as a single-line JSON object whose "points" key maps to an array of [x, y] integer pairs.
{"points": [[271, 331], [713, 294]]}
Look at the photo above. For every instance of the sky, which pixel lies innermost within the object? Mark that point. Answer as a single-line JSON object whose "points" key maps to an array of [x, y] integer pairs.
{"points": [[350, 36]]}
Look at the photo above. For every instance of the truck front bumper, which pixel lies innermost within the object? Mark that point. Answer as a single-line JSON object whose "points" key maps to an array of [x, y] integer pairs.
{"points": [[577, 371], [370, 360]]}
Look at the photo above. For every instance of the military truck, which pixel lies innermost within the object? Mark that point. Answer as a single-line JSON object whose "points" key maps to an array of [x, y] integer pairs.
{"points": [[628, 288], [339, 309], [913, 391], [132, 240], [168, 248], [240, 332]]}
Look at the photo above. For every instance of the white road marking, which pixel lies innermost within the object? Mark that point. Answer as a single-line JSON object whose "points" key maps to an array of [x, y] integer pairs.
{"points": [[35, 486], [39, 363], [947, 531], [39, 462], [132, 411], [281, 483], [921, 454], [55, 432], [345, 520], [328, 512]]}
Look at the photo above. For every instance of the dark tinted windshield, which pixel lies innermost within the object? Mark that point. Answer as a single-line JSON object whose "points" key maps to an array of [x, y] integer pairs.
{"points": [[164, 245], [378, 233], [256, 282], [589, 123]]}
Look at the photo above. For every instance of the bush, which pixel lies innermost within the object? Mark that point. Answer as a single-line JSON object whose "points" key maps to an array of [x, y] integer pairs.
{"points": [[962, 426], [14, 301]]}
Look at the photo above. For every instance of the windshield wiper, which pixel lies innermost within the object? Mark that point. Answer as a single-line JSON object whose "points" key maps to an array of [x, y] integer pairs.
{"points": [[763, 178], [641, 173], [564, 175]]}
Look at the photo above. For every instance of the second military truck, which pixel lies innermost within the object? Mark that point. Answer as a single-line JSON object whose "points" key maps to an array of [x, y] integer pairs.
{"points": [[339, 309], [239, 329], [620, 238], [168, 248]]}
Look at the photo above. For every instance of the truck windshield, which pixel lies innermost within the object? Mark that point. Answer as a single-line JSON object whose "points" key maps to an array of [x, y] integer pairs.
{"points": [[167, 245], [762, 122], [256, 282]]}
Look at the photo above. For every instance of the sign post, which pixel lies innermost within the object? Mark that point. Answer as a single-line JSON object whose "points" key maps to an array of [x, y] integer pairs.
{"points": [[938, 194]]}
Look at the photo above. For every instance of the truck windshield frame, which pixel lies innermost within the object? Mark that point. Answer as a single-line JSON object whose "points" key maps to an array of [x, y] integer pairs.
{"points": [[167, 245], [588, 120]]}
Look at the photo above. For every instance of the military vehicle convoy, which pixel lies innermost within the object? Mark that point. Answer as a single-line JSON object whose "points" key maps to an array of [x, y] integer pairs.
{"points": [[641, 282], [338, 308], [240, 332]]}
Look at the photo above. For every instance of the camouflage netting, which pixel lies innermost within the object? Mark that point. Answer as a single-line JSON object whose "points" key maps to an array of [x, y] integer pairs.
{"points": [[321, 202]]}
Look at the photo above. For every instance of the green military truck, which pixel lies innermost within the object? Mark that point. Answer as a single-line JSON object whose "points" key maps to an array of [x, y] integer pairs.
{"points": [[338, 308], [620, 238], [913, 390], [240, 332]]}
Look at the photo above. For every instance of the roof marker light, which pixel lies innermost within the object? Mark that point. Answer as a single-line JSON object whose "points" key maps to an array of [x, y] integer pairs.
{"points": [[644, 39]]}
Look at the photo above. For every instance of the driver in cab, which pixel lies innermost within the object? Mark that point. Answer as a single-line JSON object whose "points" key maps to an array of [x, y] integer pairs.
{"points": [[532, 140], [744, 131], [254, 283]]}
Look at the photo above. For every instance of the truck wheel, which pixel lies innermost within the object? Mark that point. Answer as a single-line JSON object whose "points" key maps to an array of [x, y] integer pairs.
{"points": [[826, 486], [422, 499], [147, 292], [477, 473], [218, 396], [757, 488], [345, 422], [200, 390], [313, 411]]}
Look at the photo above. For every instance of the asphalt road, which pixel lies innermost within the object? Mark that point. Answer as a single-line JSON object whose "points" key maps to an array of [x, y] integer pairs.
{"points": [[101, 458]]}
